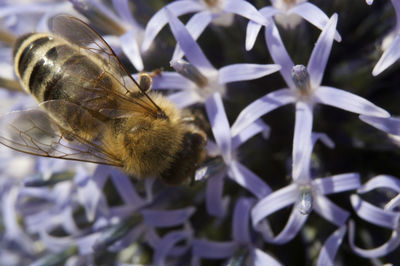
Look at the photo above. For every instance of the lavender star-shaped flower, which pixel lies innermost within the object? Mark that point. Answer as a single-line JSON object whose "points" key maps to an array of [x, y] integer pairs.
{"points": [[304, 91]]}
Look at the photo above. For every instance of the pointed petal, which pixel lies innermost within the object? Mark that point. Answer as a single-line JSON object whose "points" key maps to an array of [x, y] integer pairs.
{"points": [[214, 191], [158, 21], [337, 183], [189, 46], [195, 26], [171, 80], [396, 5], [261, 258], [389, 125], [302, 147], [167, 218], [391, 55], [320, 54], [292, 227], [247, 179], [328, 251], [381, 181], [219, 124], [274, 202], [245, 9], [241, 72], [184, 98], [124, 11], [257, 127], [240, 226], [253, 28], [213, 250], [374, 215], [164, 246], [330, 211], [314, 15], [380, 251], [130, 48], [279, 54], [252, 31], [348, 101], [260, 107], [125, 188]]}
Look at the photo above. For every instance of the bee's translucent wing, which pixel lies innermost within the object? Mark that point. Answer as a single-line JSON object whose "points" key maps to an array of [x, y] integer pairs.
{"points": [[34, 132], [81, 34]]}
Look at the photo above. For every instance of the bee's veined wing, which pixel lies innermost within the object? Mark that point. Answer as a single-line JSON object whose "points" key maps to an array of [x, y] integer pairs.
{"points": [[81, 34], [34, 132]]}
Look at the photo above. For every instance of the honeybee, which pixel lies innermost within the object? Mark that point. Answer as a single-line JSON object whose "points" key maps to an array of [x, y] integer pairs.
{"points": [[92, 110]]}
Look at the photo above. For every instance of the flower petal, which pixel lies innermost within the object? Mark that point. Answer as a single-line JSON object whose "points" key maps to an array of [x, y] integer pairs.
{"points": [[214, 191], [247, 179], [165, 245], [167, 218], [302, 147], [320, 54], [240, 220], [348, 101], [389, 125], [171, 80], [189, 46], [328, 251], [391, 55], [260, 258], [195, 26], [184, 98], [274, 202], [314, 15], [337, 183], [292, 227], [130, 47], [330, 211], [260, 107], [380, 251], [245, 9], [125, 188], [279, 54], [213, 250], [219, 125], [124, 11], [158, 21], [375, 215], [257, 127], [381, 181], [241, 72]]}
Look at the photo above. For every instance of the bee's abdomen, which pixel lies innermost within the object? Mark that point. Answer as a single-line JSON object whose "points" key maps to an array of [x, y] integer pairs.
{"points": [[50, 68]]}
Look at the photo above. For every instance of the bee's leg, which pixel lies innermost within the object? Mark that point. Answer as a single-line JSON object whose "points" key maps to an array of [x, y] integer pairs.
{"points": [[11, 85]]}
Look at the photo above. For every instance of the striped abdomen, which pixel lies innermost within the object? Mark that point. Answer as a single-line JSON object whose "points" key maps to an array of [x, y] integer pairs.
{"points": [[50, 68]]}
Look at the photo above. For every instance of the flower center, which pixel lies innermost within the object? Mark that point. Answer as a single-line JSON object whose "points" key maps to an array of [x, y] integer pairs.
{"points": [[305, 200], [301, 79]]}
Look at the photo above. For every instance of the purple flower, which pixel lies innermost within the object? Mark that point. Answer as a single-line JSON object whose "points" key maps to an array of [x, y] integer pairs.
{"points": [[226, 147], [304, 91], [387, 217], [390, 45], [207, 11], [306, 194], [241, 242], [198, 79], [288, 14]]}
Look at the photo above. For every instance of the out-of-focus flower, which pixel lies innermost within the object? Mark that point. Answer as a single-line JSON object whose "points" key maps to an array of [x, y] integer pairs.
{"points": [[123, 30], [390, 44], [307, 194], [330, 247], [387, 217], [242, 247], [207, 11], [288, 14], [304, 90], [198, 79]]}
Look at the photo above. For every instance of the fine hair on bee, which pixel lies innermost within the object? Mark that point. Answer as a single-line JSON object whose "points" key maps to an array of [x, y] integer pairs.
{"points": [[92, 110]]}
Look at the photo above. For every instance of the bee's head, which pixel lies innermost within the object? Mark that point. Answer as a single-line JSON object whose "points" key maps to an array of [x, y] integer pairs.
{"points": [[187, 159]]}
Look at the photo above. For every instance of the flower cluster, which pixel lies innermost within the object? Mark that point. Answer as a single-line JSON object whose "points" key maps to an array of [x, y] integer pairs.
{"points": [[253, 200]]}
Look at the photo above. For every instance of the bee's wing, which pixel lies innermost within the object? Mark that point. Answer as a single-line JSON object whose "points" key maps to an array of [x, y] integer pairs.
{"points": [[81, 34], [34, 132]]}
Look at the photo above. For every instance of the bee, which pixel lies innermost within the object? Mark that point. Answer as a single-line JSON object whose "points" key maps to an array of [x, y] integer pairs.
{"points": [[90, 108]]}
